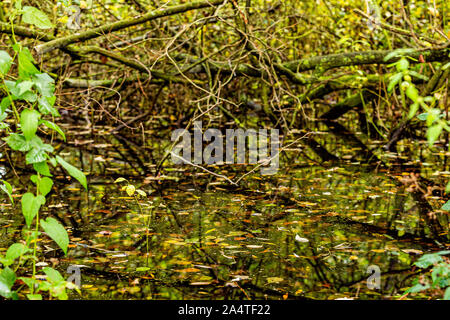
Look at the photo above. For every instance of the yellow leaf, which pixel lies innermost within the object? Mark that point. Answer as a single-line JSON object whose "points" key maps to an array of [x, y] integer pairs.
{"points": [[130, 189], [274, 279]]}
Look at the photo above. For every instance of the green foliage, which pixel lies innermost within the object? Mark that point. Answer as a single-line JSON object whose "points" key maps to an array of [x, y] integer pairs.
{"points": [[33, 92], [433, 116], [5, 63], [29, 120], [54, 127], [7, 188], [7, 279], [440, 273], [36, 17], [30, 206]]}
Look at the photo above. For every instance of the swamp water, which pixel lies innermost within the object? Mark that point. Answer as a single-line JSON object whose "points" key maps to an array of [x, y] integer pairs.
{"points": [[310, 231]]}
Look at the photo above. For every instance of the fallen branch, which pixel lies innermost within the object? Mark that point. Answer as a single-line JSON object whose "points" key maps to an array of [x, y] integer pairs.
{"points": [[364, 57], [339, 109], [115, 26]]}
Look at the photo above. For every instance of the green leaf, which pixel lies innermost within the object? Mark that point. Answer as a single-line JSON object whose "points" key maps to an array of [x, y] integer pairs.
{"points": [[36, 17], [412, 93], [394, 80], [46, 104], [34, 296], [31, 206], [141, 192], [428, 260], [53, 162], [418, 75], [7, 188], [53, 275], [36, 155], [74, 172], [142, 269], [433, 115], [7, 279], [422, 116], [5, 62], [45, 84], [36, 142], [6, 102], [54, 127], [433, 133], [35, 179], [26, 64], [21, 90], [417, 288], [397, 53], [447, 294], [18, 142], [42, 168], [402, 64], [38, 151], [57, 232], [446, 206], [130, 189], [45, 185], [29, 120], [18, 5], [24, 86], [447, 187], [16, 250], [413, 110], [30, 282]]}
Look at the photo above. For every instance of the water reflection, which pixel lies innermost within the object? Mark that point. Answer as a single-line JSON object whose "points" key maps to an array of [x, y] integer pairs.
{"points": [[311, 231]]}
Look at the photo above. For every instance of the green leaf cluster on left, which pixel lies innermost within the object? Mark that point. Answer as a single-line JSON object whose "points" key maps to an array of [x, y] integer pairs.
{"points": [[28, 98]]}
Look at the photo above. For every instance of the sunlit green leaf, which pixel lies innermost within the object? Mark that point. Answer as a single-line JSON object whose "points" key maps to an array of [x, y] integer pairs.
{"points": [[130, 189], [394, 80], [31, 206], [7, 188], [433, 133], [45, 185], [57, 232], [7, 279], [412, 93], [402, 64], [46, 106], [5, 62], [42, 168], [54, 127], [44, 83], [16, 250], [120, 180], [26, 64], [428, 260], [29, 120], [36, 17], [413, 110], [447, 294], [18, 142]]}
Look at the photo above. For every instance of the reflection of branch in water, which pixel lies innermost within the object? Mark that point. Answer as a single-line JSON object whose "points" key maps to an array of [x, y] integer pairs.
{"points": [[372, 229], [342, 132]]}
